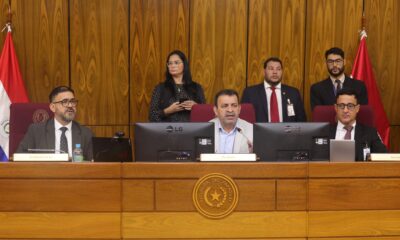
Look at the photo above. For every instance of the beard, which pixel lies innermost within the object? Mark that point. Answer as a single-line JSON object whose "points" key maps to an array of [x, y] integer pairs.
{"points": [[68, 115], [337, 74], [272, 83]]}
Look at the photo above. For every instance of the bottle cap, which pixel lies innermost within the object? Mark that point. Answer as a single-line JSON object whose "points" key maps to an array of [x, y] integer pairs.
{"points": [[77, 145]]}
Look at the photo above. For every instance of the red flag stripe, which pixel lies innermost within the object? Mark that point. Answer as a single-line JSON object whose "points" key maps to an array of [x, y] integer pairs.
{"points": [[362, 70]]}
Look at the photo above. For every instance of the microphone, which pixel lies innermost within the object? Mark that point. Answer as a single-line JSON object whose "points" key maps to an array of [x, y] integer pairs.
{"points": [[249, 143], [118, 136], [43, 150]]}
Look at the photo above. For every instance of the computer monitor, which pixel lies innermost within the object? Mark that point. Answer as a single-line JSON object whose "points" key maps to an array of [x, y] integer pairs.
{"points": [[277, 142], [106, 149], [172, 142]]}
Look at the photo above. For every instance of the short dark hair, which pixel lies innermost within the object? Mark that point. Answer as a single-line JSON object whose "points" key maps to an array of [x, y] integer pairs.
{"points": [[228, 92], [334, 50], [58, 90], [272, 59], [347, 91]]}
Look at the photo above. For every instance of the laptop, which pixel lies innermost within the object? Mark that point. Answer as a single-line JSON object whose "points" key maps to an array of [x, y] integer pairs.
{"points": [[342, 150], [106, 149]]}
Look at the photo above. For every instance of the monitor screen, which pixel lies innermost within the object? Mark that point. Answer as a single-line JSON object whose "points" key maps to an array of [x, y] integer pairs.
{"points": [[171, 142], [106, 149], [291, 141]]}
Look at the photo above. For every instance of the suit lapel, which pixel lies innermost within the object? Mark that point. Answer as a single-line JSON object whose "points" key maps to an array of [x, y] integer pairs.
{"points": [[76, 134], [284, 98], [50, 134], [332, 130], [263, 99], [329, 88]]}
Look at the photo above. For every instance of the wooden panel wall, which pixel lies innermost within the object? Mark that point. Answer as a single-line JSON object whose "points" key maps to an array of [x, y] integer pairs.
{"points": [[218, 44], [113, 53], [384, 50], [4, 4], [276, 28], [41, 41]]}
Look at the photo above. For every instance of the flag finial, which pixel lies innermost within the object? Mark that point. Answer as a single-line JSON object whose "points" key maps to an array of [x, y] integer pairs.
{"points": [[8, 24]]}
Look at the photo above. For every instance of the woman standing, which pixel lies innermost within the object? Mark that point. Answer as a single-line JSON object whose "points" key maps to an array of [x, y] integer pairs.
{"points": [[173, 99]]}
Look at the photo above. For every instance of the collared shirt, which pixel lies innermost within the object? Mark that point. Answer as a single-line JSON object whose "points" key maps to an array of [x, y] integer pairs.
{"points": [[341, 79], [226, 139], [278, 92], [341, 131], [68, 134]]}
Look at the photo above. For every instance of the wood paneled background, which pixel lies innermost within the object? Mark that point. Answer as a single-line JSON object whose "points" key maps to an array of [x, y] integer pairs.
{"points": [[113, 52]]}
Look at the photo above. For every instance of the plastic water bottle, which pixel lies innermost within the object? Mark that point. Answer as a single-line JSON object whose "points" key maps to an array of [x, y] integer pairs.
{"points": [[77, 154]]}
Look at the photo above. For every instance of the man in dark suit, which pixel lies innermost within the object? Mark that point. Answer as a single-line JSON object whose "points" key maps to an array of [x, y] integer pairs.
{"points": [[61, 133], [272, 100], [366, 138], [323, 92]]}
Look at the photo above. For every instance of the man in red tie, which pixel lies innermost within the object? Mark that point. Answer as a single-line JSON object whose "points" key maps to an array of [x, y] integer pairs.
{"points": [[366, 137], [272, 100]]}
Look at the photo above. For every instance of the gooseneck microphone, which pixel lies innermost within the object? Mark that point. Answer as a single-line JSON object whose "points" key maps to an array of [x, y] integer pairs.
{"points": [[249, 143]]}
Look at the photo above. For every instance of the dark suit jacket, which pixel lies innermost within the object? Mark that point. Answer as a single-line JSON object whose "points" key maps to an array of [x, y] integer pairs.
{"points": [[322, 93], [256, 95], [42, 136], [363, 136]]}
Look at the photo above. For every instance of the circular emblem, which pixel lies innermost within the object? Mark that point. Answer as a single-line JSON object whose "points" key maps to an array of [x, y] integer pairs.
{"points": [[5, 128], [40, 115], [215, 195]]}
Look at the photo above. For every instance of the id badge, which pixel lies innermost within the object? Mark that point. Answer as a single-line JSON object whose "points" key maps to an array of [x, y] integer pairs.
{"points": [[290, 109]]}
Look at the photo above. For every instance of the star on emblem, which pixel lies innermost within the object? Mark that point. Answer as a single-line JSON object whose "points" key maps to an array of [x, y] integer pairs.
{"points": [[215, 195]]}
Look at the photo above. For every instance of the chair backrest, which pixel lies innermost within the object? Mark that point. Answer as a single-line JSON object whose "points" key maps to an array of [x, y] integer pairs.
{"points": [[21, 116], [205, 112], [327, 114]]}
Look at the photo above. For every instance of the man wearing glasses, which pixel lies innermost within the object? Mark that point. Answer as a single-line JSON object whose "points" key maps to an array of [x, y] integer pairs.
{"points": [[61, 133], [347, 107], [324, 92]]}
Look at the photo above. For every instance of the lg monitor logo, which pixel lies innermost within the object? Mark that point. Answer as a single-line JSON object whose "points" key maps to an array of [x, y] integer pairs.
{"points": [[171, 129]]}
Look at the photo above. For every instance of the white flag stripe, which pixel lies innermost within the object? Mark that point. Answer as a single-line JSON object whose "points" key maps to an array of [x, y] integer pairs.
{"points": [[4, 119]]}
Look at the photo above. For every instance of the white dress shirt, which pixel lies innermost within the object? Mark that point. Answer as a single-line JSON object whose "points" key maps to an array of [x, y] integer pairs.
{"points": [[341, 79], [68, 134], [341, 131]]}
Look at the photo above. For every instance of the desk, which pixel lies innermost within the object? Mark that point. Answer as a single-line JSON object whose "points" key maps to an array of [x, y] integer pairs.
{"points": [[154, 200]]}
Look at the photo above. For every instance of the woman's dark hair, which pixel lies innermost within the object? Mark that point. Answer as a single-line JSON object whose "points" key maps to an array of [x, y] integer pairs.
{"points": [[188, 83]]}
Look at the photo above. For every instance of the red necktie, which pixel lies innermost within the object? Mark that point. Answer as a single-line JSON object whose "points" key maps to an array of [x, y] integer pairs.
{"points": [[273, 106]]}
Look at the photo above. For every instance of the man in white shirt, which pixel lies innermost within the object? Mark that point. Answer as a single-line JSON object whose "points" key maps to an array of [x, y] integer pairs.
{"points": [[61, 133], [272, 100], [324, 92], [347, 107], [232, 134]]}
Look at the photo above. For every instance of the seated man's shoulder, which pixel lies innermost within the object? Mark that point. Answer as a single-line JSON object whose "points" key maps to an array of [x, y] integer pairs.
{"points": [[83, 128], [38, 125], [244, 123]]}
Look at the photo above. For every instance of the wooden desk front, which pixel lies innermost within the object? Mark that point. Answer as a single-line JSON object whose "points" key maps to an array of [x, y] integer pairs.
{"points": [[154, 201]]}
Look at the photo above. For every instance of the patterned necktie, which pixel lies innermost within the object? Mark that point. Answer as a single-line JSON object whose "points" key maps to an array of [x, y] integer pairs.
{"points": [[348, 129], [273, 106], [338, 86], [63, 141]]}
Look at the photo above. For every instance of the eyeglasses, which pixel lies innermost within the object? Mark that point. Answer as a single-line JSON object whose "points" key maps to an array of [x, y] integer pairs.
{"points": [[170, 63], [68, 102], [332, 61], [349, 106]]}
